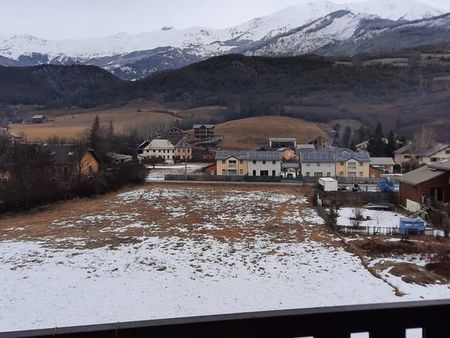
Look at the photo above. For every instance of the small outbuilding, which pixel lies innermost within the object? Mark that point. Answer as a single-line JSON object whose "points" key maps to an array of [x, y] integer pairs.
{"points": [[39, 119], [328, 184]]}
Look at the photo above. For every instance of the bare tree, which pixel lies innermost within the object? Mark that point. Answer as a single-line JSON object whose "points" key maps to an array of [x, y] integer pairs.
{"points": [[423, 140]]}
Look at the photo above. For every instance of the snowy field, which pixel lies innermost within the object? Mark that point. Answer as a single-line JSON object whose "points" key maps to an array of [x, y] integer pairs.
{"points": [[158, 172], [169, 251], [378, 218]]}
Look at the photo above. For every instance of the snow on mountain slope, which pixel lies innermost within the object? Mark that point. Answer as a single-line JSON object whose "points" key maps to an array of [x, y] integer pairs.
{"points": [[338, 26], [394, 9], [208, 41], [382, 39]]}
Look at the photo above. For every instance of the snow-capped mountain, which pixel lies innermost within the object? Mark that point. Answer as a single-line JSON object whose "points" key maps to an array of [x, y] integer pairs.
{"points": [[292, 31]]}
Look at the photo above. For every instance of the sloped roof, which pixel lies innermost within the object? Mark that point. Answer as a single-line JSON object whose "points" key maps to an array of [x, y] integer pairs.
{"points": [[282, 139], [382, 161], [305, 147], [421, 175], [442, 165], [404, 149], [209, 126], [433, 150], [325, 155], [345, 155], [119, 157], [183, 143], [160, 144], [250, 155], [61, 154]]}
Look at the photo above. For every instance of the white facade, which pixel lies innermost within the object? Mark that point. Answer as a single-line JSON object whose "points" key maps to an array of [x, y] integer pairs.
{"points": [[264, 167], [159, 148], [318, 169]]}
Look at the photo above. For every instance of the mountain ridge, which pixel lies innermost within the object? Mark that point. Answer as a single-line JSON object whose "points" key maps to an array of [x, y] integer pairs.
{"points": [[135, 56]]}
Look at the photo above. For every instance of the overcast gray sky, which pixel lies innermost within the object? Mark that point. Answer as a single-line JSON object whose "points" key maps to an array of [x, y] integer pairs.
{"points": [[58, 19]]}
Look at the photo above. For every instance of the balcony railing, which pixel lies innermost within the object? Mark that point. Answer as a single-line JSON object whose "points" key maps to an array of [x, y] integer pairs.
{"points": [[379, 321]]}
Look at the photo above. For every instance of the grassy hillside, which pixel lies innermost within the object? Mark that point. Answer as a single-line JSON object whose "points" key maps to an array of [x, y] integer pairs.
{"points": [[251, 132]]}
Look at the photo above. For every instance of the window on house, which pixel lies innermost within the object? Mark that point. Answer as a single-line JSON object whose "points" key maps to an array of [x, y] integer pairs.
{"points": [[264, 173], [342, 163], [274, 162], [341, 173], [254, 172], [241, 172], [308, 165], [361, 174], [223, 161], [241, 161], [318, 164], [307, 174], [254, 162], [318, 174], [361, 164], [264, 162], [224, 171], [273, 173], [328, 174]]}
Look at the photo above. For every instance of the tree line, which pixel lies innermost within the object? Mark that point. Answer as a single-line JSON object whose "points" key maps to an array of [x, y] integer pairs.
{"points": [[31, 174]]}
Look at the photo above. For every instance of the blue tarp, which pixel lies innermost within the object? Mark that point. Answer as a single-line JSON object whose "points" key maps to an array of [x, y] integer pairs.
{"points": [[411, 226]]}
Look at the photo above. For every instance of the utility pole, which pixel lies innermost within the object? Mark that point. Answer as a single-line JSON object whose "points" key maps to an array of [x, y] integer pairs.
{"points": [[185, 167]]}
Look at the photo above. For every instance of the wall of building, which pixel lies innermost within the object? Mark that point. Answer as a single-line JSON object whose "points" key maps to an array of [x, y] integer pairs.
{"points": [[422, 192], [352, 168], [89, 165], [166, 154], [183, 153], [273, 168], [318, 169], [442, 155], [232, 166]]}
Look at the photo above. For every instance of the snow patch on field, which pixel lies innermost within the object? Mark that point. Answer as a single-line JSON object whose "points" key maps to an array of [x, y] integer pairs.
{"points": [[378, 219]]}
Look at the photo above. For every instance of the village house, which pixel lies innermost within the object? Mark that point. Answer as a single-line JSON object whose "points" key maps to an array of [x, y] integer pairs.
{"points": [[8, 134], [430, 183], [174, 132], [318, 163], [36, 119], [381, 165], [66, 164], [406, 155], [280, 143], [320, 142], [118, 158], [305, 147], [204, 131], [183, 150], [352, 164], [248, 162], [161, 148]]}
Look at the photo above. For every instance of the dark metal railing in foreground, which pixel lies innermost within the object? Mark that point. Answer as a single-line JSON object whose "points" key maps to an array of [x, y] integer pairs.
{"points": [[380, 321]]}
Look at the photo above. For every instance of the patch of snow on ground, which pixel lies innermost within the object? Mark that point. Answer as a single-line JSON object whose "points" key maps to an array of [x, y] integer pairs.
{"points": [[378, 219]]}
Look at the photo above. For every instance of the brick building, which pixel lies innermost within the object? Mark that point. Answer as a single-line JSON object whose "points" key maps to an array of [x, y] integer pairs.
{"points": [[425, 185]]}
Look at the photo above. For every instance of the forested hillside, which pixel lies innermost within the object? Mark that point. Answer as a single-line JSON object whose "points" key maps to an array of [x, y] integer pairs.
{"points": [[58, 86], [309, 87]]}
